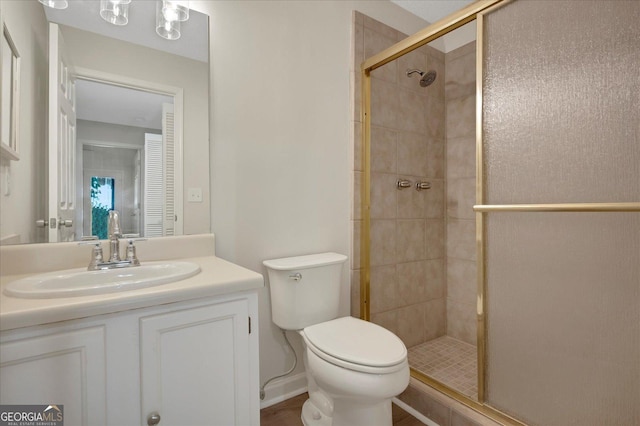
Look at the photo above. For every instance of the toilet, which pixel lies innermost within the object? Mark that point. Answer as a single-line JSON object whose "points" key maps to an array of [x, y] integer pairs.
{"points": [[354, 368]]}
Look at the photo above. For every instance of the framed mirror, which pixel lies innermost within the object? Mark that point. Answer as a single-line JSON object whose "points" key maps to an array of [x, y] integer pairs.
{"points": [[10, 94], [94, 65]]}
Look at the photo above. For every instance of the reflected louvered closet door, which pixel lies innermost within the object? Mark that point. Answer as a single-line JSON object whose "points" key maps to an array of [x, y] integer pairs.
{"points": [[168, 135], [153, 182]]}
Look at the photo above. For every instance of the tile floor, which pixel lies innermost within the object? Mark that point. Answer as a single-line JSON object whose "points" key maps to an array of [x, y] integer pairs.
{"points": [[450, 361]]}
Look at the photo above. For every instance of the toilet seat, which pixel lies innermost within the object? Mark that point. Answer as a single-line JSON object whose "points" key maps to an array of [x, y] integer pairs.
{"points": [[356, 345]]}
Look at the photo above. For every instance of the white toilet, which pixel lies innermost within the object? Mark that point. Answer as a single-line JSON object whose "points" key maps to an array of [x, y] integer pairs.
{"points": [[354, 367]]}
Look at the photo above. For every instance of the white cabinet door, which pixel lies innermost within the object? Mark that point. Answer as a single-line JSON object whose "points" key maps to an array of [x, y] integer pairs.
{"points": [[195, 366], [60, 368]]}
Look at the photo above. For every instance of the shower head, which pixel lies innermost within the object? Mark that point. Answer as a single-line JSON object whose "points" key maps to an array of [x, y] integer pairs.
{"points": [[427, 77]]}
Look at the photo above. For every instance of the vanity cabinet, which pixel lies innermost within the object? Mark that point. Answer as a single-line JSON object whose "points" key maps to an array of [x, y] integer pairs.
{"points": [[57, 365], [190, 363]]}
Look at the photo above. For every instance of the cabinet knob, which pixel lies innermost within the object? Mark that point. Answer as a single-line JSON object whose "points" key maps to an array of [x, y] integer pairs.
{"points": [[153, 419]]}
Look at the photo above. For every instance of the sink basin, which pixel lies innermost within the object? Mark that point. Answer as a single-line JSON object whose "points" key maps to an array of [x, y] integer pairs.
{"points": [[80, 282]]}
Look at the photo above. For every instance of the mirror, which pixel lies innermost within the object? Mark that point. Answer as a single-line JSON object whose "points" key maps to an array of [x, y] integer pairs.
{"points": [[107, 63]]}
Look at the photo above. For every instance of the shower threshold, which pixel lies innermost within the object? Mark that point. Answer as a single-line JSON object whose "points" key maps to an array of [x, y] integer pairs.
{"points": [[450, 361]]}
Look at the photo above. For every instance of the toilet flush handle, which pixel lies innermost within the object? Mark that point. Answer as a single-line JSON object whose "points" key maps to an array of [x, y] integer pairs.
{"points": [[296, 277]]}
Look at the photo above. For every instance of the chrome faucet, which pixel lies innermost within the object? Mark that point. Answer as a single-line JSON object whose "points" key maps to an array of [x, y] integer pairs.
{"points": [[115, 234]]}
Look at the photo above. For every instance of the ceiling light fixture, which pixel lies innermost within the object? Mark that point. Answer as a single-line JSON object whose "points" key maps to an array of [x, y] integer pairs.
{"points": [[115, 12], [169, 15], [55, 4], [174, 10]]}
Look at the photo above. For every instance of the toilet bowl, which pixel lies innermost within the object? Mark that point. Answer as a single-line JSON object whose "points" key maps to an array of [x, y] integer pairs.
{"points": [[354, 368], [358, 366]]}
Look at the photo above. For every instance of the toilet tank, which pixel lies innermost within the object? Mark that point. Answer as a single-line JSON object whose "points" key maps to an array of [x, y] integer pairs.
{"points": [[305, 290]]}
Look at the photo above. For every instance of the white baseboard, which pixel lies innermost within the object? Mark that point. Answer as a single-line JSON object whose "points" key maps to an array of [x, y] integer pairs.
{"points": [[421, 417], [283, 389]]}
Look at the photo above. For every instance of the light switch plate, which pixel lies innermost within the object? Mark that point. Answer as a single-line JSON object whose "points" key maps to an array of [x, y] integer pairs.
{"points": [[194, 195]]}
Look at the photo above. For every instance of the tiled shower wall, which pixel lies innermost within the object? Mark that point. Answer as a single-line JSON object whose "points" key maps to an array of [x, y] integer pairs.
{"points": [[461, 185], [408, 293], [423, 285]]}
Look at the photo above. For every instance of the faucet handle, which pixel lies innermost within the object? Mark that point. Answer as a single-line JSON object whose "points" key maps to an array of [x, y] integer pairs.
{"points": [[131, 251], [96, 254]]}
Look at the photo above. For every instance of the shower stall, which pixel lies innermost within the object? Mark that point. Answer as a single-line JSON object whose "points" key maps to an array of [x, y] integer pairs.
{"points": [[497, 208]]}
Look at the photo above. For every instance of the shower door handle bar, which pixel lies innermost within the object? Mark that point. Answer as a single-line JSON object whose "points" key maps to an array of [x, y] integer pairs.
{"points": [[403, 183], [423, 185]]}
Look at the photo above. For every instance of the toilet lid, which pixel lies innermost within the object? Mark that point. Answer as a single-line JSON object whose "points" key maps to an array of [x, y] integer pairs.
{"points": [[357, 342]]}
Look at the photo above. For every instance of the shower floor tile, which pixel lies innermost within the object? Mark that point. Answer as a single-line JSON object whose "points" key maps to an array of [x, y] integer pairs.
{"points": [[450, 361]]}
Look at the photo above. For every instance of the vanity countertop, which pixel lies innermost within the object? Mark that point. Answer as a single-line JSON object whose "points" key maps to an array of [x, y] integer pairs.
{"points": [[217, 277]]}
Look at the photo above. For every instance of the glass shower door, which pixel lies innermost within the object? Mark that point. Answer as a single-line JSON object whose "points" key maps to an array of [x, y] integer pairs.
{"points": [[560, 210]]}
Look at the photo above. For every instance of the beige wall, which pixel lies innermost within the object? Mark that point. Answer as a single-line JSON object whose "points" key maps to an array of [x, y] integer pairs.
{"points": [[95, 52], [281, 136], [461, 186], [26, 201]]}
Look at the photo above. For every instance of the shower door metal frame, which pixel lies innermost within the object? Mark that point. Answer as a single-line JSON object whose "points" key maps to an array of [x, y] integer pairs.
{"points": [[463, 16], [474, 11]]}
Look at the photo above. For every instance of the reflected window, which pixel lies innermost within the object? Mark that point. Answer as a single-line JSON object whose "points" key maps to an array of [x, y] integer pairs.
{"points": [[103, 191]]}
